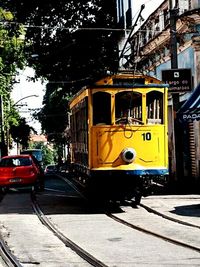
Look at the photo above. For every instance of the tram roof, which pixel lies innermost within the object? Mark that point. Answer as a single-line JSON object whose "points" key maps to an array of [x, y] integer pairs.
{"points": [[127, 78], [136, 85], [121, 80]]}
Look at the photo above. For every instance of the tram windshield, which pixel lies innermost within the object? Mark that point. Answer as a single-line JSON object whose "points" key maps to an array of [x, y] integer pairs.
{"points": [[128, 105], [154, 107], [101, 108]]}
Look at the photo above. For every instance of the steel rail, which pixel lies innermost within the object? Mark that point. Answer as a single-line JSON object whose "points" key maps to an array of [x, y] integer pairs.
{"points": [[78, 250], [8, 258], [169, 217], [174, 241]]}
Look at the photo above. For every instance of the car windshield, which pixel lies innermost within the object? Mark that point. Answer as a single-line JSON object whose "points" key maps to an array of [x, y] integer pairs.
{"points": [[12, 162]]}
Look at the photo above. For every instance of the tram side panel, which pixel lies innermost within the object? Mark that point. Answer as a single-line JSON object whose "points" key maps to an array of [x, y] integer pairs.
{"points": [[79, 137]]}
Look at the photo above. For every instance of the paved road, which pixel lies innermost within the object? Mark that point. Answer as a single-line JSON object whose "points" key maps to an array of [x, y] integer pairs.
{"points": [[111, 242], [184, 207]]}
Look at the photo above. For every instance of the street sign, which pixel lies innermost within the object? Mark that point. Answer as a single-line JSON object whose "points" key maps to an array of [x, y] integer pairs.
{"points": [[179, 80]]}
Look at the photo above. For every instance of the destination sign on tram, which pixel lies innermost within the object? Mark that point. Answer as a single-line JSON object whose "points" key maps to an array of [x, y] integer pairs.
{"points": [[179, 80]]}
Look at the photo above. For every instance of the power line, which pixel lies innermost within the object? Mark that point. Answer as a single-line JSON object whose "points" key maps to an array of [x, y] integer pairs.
{"points": [[81, 29], [64, 28]]}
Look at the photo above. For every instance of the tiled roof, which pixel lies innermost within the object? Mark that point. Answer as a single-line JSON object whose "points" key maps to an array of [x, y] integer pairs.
{"points": [[38, 138]]}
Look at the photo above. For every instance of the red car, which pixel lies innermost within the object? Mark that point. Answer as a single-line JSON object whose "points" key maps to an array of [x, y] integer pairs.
{"points": [[21, 170]]}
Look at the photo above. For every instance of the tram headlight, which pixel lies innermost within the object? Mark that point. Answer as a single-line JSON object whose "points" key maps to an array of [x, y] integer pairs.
{"points": [[128, 155]]}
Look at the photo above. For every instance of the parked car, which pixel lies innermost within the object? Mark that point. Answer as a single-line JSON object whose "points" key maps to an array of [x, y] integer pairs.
{"points": [[50, 169], [20, 171]]}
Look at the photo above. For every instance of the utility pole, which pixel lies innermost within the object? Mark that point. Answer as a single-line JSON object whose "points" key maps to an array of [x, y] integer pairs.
{"points": [[173, 40], [174, 65]]}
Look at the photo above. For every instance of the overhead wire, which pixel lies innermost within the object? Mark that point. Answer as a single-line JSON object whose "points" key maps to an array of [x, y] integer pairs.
{"points": [[131, 31], [63, 28], [77, 29]]}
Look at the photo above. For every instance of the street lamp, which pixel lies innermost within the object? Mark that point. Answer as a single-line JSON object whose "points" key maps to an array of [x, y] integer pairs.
{"points": [[4, 146], [23, 99]]}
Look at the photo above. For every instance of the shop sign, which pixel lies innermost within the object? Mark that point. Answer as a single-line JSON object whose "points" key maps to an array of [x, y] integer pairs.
{"points": [[179, 80]]}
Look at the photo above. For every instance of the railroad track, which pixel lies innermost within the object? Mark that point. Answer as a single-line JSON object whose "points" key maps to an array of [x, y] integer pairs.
{"points": [[10, 260], [156, 234], [151, 210], [89, 258], [144, 230], [130, 225], [82, 253], [7, 257]]}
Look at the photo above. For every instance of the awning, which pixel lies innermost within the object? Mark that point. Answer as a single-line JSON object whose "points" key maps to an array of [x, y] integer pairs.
{"points": [[190, 110]]}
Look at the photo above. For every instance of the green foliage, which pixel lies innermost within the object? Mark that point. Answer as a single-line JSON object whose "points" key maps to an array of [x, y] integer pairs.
{"points": [[11, 59], [21, 132], [74, 40], [11, 52], [48, 156], [53, 116], [48, 152], [75, 44]]}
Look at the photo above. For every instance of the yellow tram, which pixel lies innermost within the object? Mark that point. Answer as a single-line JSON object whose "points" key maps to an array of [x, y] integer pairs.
{"points": [[119, 141]]}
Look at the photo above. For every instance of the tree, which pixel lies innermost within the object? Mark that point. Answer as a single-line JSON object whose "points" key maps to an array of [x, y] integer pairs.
{"points": [[21, 132], [74, 40], [11, 55], [11, 59], [53, 115], [75, 44], [47, 152]]}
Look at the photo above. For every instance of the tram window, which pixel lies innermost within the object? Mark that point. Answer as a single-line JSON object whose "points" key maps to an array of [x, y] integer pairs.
{"points": [[128, 105], [154, 107], [101, 108], [73, 128], [78, 123]]}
